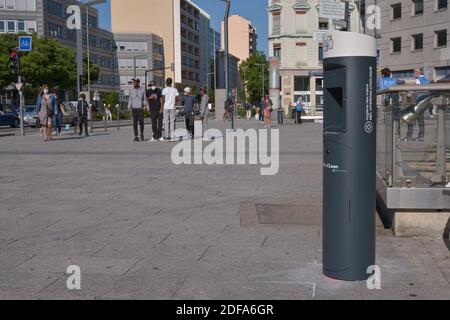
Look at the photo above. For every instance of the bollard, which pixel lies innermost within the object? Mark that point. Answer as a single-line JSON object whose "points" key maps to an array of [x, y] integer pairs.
{"points": [[118, 117], [280, 114]]}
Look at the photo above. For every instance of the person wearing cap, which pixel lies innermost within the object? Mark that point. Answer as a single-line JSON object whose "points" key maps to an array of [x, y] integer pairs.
{"points": [[188, 102], [154, 97], [137, 102], [204, 110], [170, 99]]}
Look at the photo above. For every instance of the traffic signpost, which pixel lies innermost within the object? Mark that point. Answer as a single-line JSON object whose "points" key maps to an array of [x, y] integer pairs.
{"points": [[25, 43], [318, 35]]}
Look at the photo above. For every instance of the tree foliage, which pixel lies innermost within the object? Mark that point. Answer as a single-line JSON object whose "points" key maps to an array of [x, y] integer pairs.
{"points": [[251, 71], [110, 98], [49, 62]]}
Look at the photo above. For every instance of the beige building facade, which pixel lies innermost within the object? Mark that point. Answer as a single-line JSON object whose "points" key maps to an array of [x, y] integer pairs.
{"points": [[182, 25], [242, 37], [292, 24]]}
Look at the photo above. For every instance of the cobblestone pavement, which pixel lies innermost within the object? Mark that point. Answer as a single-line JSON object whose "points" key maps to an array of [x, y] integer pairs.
{"points": [[140, 227]]}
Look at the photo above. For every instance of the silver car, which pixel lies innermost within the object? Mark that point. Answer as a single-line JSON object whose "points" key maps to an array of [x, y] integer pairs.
{"points": [[30, 115]]}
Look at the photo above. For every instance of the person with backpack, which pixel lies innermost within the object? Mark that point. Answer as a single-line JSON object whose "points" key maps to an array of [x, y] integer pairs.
{"points": [[299, 110], [82, 111], [46, 108], [227, 106]]}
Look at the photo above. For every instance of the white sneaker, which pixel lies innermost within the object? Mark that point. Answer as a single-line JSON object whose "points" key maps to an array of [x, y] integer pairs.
{"points": [[161, 139]]}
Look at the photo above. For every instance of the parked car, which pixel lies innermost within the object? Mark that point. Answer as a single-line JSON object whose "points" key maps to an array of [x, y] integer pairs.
{"points": [[9, 116], [70, 108], [30, 115]]}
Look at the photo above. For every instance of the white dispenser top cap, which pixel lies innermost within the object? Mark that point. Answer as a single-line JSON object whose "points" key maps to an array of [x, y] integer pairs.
{"points": [[348, 44]]}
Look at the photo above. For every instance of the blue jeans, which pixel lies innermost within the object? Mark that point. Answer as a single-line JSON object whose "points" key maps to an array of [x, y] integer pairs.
{"points": [[57, 119], [261, 114]]}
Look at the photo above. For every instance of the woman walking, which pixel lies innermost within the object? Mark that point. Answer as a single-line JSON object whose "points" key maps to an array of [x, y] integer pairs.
{"points": [[267, 104], [46, 107]]}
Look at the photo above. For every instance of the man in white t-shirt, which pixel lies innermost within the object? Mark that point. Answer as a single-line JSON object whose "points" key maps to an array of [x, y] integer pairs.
{"points": [[170, 97]]}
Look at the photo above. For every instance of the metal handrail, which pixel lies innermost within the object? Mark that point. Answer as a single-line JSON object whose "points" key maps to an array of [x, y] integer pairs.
{"points": [[417, 87]]}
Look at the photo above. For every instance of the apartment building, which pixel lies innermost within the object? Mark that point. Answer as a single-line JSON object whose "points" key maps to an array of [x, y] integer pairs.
{"points": [[414, 34], [48, 18], [292, 24], [242, 37], [183, 26], [214, 42], [233, 71], [140, 56]]}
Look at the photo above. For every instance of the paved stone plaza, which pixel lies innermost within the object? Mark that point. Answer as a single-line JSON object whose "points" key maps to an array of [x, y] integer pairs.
{"points": [[140, 227]]}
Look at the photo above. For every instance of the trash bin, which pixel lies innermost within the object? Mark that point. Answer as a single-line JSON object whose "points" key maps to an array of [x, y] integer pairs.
{"points": [[280, 116]]}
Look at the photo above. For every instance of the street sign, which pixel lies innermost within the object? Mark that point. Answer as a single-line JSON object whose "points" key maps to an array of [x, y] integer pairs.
{"points": [[318, 35], [332, 9], [25, 43], [340, 23]]}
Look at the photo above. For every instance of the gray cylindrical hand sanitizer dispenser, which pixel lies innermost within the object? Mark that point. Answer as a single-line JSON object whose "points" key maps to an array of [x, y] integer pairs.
{"points": [[349, 155]]}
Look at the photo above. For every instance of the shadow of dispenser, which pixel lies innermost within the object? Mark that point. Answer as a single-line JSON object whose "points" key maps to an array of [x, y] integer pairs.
{"points": [[349, 191]]}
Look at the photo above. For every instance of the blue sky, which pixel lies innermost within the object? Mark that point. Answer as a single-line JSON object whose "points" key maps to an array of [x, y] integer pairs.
{"points": [[255, 10]]}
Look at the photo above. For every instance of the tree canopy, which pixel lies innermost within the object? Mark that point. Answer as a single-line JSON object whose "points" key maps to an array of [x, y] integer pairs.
{"points": [[251, 71], [49, 62]]}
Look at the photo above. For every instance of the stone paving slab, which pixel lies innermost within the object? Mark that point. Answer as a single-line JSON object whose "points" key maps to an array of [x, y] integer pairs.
{"points": [[141, 227]]}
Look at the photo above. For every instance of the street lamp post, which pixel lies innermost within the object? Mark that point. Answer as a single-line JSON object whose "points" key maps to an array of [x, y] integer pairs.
{"points": [[227, 64], [89, 4], [347, 15], [208, 81], [263, 79]]}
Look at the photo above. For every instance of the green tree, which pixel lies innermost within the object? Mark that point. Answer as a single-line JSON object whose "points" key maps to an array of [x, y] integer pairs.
{"points": [[251, 71], [110, 98], [49, 62], [94, 68]]}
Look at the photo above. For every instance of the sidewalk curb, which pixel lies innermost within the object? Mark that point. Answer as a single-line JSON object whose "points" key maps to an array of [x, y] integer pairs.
{"points": [[2, 135]]}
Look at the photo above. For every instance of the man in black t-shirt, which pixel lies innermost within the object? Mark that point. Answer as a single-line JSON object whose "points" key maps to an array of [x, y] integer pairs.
{"points": [[154, 96]]}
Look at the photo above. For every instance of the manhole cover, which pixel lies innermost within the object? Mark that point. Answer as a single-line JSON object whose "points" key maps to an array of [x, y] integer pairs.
{"points": [[280, 214]]}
